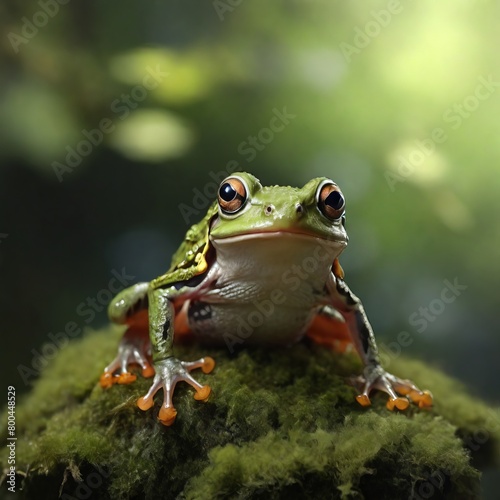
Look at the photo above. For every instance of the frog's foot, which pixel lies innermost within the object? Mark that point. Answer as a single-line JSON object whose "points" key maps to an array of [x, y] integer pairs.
{"points": [[168, 372], [401, 392], [117, 372]]}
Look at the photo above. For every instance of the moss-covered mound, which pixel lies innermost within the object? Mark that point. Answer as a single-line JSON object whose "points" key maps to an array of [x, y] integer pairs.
{"points": [[279, 424]]}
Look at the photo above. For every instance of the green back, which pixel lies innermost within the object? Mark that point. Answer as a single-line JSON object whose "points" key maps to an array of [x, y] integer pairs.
{"points": [[188, 261]]}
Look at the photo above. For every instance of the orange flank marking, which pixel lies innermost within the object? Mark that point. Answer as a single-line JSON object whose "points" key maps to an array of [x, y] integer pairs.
{"points": [[182, 332], [330, 333], [337, 269], [137, 329], [139, 320], [138, 325]]}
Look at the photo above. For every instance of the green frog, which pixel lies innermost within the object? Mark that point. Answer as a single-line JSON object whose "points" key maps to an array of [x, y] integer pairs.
{"points": [[260, 268]]}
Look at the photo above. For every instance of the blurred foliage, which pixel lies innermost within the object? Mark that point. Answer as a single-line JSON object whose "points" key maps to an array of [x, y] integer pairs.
{"points": [[368, 84]]}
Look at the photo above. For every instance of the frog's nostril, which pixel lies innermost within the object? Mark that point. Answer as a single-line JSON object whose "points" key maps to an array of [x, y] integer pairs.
{"points": [[269, 209], [299, 209]]}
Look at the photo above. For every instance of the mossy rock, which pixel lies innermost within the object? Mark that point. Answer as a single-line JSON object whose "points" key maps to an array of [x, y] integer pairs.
{"points": [[279, 424]]}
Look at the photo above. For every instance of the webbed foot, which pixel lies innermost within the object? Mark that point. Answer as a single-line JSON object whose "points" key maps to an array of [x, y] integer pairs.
{"points": [[401, 392], [168, 372], [131, 351]]}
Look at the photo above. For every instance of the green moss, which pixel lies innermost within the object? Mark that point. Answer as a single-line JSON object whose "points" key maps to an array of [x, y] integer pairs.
{"points": [[280, 423]]}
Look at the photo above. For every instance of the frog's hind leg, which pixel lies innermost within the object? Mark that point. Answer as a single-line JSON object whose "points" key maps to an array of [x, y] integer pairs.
{"points": [[400, 391], [329, 329], [134, 349], [130, 307]]}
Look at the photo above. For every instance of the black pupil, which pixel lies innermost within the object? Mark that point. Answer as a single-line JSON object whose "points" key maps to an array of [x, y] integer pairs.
{"points": [[334, 200], [227, 192]]}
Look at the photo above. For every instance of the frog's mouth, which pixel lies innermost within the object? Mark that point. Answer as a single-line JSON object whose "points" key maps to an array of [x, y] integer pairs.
{"points": [[339, 240]]}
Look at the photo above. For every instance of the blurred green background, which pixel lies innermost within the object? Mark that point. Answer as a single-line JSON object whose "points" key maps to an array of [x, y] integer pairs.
{"points": [[396, 101]]}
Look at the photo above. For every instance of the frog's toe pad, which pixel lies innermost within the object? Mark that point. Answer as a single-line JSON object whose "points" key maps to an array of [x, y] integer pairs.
{"points": [[106, 380], [423, 399], [401, 392], [126, 378], [167, 415], [400, 403], [208, 364], [407, 388], [363, 400], [148, 372], [203, 393], [145, 403]]}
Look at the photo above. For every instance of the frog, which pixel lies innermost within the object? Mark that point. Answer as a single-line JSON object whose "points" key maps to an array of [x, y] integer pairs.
{"points": [[261, 268]]}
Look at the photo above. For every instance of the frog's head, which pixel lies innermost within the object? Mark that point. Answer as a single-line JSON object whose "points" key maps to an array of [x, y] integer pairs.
{"points": [[246, 208]]}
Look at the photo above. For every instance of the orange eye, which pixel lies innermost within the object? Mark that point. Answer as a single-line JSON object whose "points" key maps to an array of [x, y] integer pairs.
{"points": [[331, 201], [232, 195]]}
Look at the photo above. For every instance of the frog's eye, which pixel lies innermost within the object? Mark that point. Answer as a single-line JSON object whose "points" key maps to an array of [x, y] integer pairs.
{"points": [[331, 201], [232, 195]]}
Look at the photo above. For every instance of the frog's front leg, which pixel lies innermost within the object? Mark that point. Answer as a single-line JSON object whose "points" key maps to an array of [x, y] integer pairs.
{"points": [[130, 307], [169, 370], [374, 376]]}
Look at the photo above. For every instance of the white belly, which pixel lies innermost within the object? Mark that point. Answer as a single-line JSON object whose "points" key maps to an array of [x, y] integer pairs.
{"points": [[268, 287]]}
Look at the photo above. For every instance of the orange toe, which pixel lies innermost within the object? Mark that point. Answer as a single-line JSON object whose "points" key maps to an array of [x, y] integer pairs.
{"points": [[148, 372], [208, 364], [126, 378], [425, 400], [203, 393], [167, 415], [363, 400], [403, 389], [399, 403], [106, 380], [145, 404]]}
